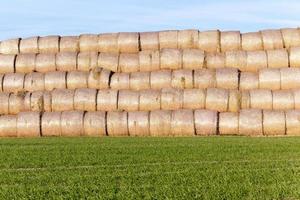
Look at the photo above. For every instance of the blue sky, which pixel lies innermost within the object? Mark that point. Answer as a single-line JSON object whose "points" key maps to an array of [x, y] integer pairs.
{"points": [[23, 18]]}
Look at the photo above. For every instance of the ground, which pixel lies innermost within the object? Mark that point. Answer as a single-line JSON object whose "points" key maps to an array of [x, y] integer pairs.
{"points": [[172, 168]]}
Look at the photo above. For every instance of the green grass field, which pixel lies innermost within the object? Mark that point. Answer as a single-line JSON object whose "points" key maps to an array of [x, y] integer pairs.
{"points": [[150, 168]]}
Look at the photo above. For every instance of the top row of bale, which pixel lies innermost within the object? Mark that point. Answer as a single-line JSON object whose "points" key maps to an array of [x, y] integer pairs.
{"points": [[133, 42]]}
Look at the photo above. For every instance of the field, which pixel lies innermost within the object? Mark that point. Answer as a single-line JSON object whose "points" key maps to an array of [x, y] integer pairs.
{"points": [[156, 168]]}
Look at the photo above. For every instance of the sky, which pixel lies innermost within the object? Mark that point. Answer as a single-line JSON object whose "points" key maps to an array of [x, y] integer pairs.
{"points": [[24, 18]]}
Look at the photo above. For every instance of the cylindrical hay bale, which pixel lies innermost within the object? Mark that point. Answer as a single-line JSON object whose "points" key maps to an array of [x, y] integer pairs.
{"points": [[215, 60], [108, 42], [171, 99], [69, 44], [160, 122], [283, 100], [128, 42], [291, 37], [294, 56], [236, 59], [248, 81], [206, 122], [26, 104], [117, 124], [77, 79], [256, 60], [99, 78], [229, 123], [149, 61], [129, 62], [15, 103], [171, 59], [168, 39], [128, 100], [182, 78], [230, 41], [107, 100], [51, 124], [273, 122], [139, 80], [204, 78], [209, 41], [227, 78], [7, 63], [182, 123], [25, 63], [29, 45], [62, 100], [28, 124], [217, 99], [272, 39], [55, 80], [120, 81], [292, 122], [88, 42], [149, 41], [37, 101], [139, 123], [4, 103], [72, 123], [85, 99], [193, 99], [252, 41], [278, 58], [13, 82], [94, 124], [48, 44], [45, 62], [149, 100], [261, 99], [8, 126], [234, 101], [109, 61], [245, 100], [47, 100], [250, 122], [10, 46], [87, 61], [188, 39], [161, 79], [269, 79], [34, 81], [192, 59], [66, 61]]}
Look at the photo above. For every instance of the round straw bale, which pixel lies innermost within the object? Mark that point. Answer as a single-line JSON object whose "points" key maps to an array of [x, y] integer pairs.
{"points": [[25, 63], [217, 99], [139, 80], [250, 122], [283, 100], [269, 79], [290, 78], [87, 61], [227, 78], [149, 41], [128, 42], [129, 62], [29, 45], [292, 122], [28, 124], [66, 61], [206, 122], [49, 44], [234, 101], [26, 103], [13, 82], [62, 99], [261, 99], [139, 123], [182, 123], [37, 101], [236, 59], [72, 123], [45, 62], [209, 41], [168, 39], [161, 79], [294, 56], [278, 58], [117, 124], [8, 126], [291, 37], [47, 101], [34, 81], [160, 122], [229, 123], [85, 99], [248, 81], [10, 46], [245, 99], [192, 59], [215, 60], [273, 122], [252, 41], [77, 79], [204, 78], [194, 98], [94, 123], [128, 100], [4, 103], [51, 124], [171, 98], [16, 102], [171, 59], [99, 78], [107, 100], [55, 80], [272, 39], [69, 44], [149, 100], [256, 60], [182, 78], [188, 39], [109, 61], [120, 81], [7, 63], [149, 61], [230, 41], [88, 42], [108, 42]]}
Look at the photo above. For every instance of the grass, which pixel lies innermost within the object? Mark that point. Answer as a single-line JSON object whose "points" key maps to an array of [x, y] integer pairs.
{"points": [[150, 168]]}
